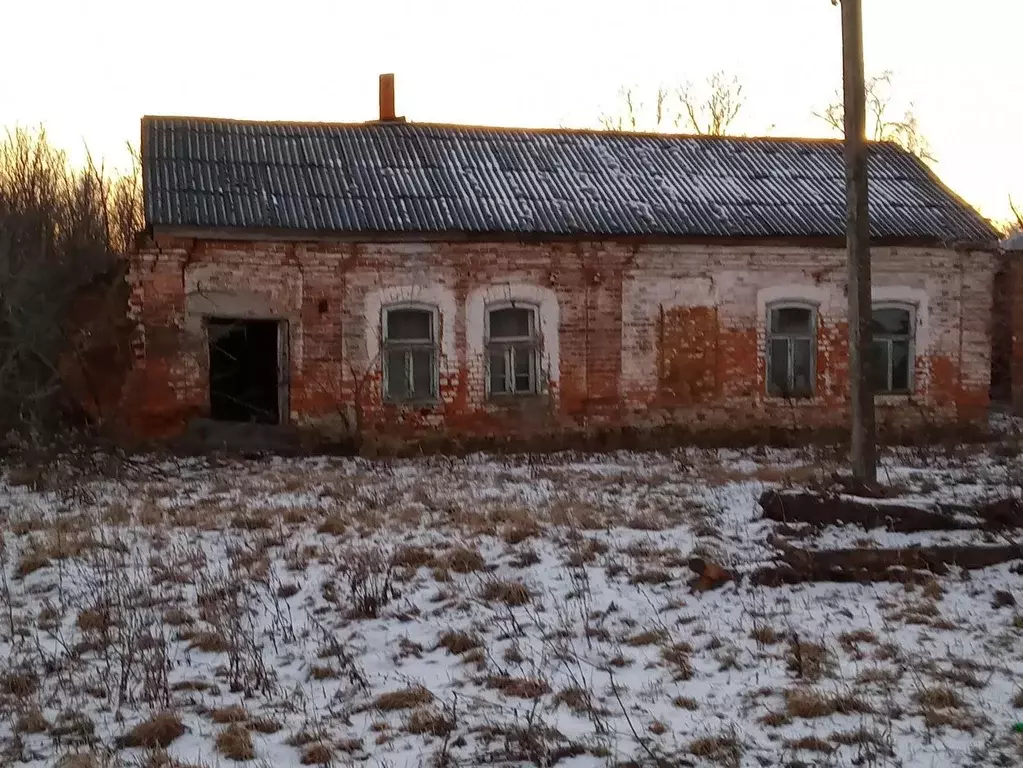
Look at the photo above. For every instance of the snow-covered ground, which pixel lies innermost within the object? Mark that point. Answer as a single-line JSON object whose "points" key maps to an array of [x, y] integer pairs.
{"points": [[460, 611]]}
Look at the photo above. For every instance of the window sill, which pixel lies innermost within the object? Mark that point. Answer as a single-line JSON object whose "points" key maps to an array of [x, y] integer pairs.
{"points": [[894, 398], [511, 397], [793, 402], [412, 405]]}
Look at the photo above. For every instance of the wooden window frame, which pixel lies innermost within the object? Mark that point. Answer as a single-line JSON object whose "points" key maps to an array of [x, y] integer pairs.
{"points": [[408, 346], [910, 339], [811, 336], [511, 347]]}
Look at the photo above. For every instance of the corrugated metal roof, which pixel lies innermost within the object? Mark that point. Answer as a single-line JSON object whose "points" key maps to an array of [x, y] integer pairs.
{"points": [[408, 178]]}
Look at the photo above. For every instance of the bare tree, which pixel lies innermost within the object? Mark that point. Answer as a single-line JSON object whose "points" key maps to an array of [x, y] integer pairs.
{"points": [[881, 126], [63, 232], [1016, 226], [709, 109], [634, 113]]}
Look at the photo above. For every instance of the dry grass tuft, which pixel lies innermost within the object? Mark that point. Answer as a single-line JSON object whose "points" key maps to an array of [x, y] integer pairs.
{"points": [[408, 698], [332, 525], [19, 684], [31, 721], [516, 533], [857, 738], [676, 656], [879, 676], [686, 702], [258, 520], [464, 560], [808, 661], [413, 558], [651, 576], [83, 760], [575, 698], [646, 521], [810, 744], [852, 640], [284, 591], [775, 719], [316, 754], [94, 620], [30, 562], [176, 617], [235, 743], [722, 749], [650, 637], [507, 592], [209, 642], [458, 642], [322, 672], [429, 721], [265, 725], [236, 713], [519, 687], [765, 634], [958, 719], [811, 703], [157, 732], [938, 697]]}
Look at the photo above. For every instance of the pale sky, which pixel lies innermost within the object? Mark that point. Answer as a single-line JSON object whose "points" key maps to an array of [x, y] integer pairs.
{"points": [[89, 69]]}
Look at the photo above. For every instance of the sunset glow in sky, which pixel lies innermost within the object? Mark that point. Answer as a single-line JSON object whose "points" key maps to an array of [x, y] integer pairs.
{"points": [[89, 69]]}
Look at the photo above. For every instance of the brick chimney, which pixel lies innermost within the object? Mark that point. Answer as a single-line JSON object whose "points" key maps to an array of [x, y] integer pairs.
{"points": [[387, 113]]}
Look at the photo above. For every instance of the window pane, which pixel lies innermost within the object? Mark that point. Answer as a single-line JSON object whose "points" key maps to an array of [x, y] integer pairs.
{"points": [[409, 324], [510, 323], [523, 357], [890, 321], [497, 372], [791, 320], [900, 366], [778, 366], [395, 374], [879, 363], [422, 373], [802, 368]]}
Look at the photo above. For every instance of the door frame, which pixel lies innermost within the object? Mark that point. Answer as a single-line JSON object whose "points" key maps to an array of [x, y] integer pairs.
{"points": [[283, 358]]}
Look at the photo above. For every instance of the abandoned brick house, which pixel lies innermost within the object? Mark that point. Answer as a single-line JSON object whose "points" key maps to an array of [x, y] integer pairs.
{"points": [[411, 279]]}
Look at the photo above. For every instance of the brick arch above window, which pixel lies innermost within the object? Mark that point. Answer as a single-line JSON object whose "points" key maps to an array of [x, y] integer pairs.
{"points": [[439, 297], [811, 295], [548, 319]]}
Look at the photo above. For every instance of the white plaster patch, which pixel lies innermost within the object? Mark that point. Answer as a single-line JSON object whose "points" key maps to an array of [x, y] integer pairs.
{"points": [[433, 295], [642, 298], [818, 295], [548, 317]]}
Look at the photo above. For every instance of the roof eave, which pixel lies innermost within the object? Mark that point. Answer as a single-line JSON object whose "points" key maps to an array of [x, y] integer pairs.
{"points": [[251, 234]]}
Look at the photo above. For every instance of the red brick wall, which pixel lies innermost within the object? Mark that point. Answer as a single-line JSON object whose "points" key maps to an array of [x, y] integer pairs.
{"points": [[644, 335]]}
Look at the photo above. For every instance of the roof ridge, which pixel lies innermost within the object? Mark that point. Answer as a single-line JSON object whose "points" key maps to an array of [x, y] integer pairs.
{"points": [[529, 130]]}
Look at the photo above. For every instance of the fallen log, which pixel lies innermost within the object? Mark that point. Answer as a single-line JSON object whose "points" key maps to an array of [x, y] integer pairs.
{"points": [[797, 565], [820, 510]]}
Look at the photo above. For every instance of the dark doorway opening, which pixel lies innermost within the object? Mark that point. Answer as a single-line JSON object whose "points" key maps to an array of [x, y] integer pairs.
{"points": [[245, 365]]}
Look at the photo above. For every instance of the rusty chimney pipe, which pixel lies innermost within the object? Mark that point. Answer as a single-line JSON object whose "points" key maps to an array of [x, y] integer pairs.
{"points": [[387, 97]]}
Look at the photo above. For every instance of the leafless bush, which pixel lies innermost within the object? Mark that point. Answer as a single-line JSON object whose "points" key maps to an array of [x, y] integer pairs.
{"points": [[63, 232]]}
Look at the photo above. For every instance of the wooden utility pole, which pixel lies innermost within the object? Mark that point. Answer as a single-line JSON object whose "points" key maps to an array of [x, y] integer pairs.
{"points": [[857, 228]]}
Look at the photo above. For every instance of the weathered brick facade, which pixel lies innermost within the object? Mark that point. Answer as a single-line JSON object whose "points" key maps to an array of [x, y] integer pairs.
{"points": [[633, 334]]}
